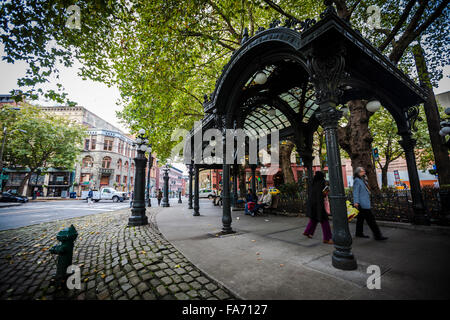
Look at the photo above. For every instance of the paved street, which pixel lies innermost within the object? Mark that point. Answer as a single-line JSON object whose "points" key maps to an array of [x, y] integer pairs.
{"points": [[37, 212], [116, 262]]}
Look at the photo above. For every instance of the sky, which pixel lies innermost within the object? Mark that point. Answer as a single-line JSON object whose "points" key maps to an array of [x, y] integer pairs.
{"points": [[97, 97]]}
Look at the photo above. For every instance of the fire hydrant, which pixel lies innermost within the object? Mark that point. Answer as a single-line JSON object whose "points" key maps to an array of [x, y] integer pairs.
{"points": [[64, 251]]}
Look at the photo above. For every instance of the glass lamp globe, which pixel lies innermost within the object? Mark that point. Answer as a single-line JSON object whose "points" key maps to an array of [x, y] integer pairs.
{"points": [[141, 131], [260, 78], [373, 106], [445, 131]]}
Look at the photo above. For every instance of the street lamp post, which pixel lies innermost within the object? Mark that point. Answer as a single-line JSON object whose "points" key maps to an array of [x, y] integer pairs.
{"points": [[150, 162], [165, 200], [138, 217]]}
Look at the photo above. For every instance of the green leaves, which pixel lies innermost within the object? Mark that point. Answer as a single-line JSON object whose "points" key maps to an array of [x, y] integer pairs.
{"points": [[37, 139]]}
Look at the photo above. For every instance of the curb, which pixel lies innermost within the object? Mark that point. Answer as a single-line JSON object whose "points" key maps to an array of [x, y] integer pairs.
{"points": [[11, 205]]}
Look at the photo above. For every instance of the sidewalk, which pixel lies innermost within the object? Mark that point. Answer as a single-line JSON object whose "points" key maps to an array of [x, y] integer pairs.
{"points": [[269, 258], [116, 262]]}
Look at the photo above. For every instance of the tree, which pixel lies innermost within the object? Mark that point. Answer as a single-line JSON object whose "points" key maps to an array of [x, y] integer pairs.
{"points": [[402, 24], [163, 55], [45, 141], [386, 140], [286, 148]]}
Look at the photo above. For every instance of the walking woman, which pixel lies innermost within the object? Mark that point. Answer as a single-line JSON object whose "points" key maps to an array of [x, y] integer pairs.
{"points": [[361, 200], [317, 212], [159, 196]]}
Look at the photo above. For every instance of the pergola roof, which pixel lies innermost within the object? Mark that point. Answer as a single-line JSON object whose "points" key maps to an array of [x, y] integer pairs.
{"points": [[286, 101]]}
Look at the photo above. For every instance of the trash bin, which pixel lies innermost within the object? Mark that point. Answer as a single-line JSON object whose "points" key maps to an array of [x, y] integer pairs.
{"points": [[73, 195]]}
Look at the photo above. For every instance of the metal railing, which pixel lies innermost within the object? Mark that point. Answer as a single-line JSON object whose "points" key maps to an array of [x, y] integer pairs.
{"points": [[390, 205]]}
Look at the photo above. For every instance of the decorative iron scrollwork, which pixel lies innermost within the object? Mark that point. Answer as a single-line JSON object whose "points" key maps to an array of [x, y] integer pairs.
{"points": [[327, 75], [329, 10], [413, 117], [275, 23]]}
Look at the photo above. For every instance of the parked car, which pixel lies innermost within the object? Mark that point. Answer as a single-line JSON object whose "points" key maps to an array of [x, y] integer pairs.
{"points": [[206, 193], [272, 191], [9, 197], [106, 194]]}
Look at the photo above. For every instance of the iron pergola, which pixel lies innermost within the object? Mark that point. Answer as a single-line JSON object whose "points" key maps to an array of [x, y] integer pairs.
{"points": [[310, 68]]}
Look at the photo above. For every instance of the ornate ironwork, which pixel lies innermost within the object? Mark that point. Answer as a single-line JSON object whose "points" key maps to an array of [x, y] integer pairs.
{"points": [[275, 23], [327, 74], [413, 117], [329, 10]]}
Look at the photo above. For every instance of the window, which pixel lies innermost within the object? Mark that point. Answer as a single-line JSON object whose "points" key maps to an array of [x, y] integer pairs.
{"points": [[131, 180], [106, 163], [125, 179], [119, 165], [118, 178], [120, 147], [126, 166], [87, 162], [93, 142], [108, 144], [86, 144]]}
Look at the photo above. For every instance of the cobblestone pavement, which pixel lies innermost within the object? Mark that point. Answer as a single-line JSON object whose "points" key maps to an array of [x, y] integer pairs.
{"points": [[116, 262]]}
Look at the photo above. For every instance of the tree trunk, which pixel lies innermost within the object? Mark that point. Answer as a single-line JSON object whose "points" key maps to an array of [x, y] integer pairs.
{"points": [[24, 183], [356, 140], [440, 150], [285, 161], [384, 171], [242, 182]]}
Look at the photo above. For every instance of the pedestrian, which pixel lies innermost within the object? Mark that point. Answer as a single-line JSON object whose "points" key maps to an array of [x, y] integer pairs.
{"points": [[90, 196], [264, 201], [131, 199], [159, 196], [361, 199], [317, 212], [250, 200]]}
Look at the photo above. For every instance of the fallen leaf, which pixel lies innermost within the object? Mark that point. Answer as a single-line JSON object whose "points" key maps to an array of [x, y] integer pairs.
{"points": [[281, 265], [257, 253], [103, 276], [253, 240], [86, 280]]}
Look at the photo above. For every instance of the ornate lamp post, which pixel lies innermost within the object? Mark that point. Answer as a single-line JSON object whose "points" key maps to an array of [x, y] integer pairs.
{"points": [[150, 163], [165, 200], [138, 217]]}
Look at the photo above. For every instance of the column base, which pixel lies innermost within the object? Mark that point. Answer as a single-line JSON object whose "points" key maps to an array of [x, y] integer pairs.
{"points": [[343, 261], [137, 221], [226, 230], [179, 201], [166, 205]]}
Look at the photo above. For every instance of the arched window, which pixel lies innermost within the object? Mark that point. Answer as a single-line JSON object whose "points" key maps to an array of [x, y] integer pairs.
{"points": [[87, 162], [126, 166], [119, 165], [106, 163]]}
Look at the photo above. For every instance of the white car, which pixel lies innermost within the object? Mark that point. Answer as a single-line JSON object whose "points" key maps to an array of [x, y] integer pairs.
{"points": [[106, 194], [206, 193]]}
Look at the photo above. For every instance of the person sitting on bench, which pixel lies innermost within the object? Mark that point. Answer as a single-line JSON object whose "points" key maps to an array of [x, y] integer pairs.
{"points": [[264, 201], [250, 201]]}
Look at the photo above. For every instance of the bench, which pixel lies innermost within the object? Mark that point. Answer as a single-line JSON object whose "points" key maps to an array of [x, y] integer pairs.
{"points": [[273, 206]]}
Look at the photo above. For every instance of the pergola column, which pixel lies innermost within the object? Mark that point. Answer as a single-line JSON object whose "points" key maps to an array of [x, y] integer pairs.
{"points": [[420, 215], [196, 192], [327, 71], [253, 167], [190, 186], [308, 160], [235, 178]]}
